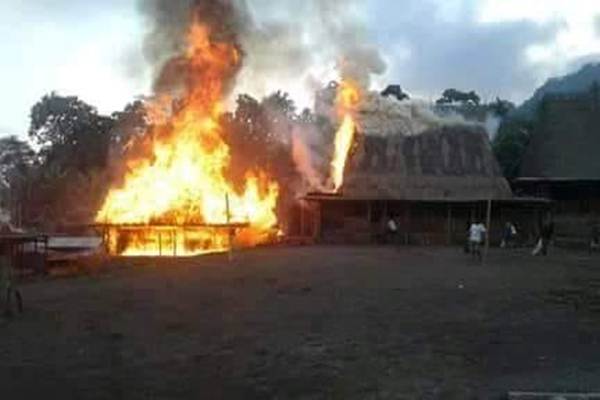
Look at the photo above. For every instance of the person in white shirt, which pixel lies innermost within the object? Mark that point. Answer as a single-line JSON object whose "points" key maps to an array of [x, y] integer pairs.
{"points": [[476, 235], [392, 230]]}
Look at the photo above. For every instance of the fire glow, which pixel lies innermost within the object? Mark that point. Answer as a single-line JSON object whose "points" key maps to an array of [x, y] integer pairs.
{"points": [[347, 99], [184, 181]]}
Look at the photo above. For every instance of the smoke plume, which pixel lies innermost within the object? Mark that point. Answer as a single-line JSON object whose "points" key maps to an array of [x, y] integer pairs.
{"points": [[300, 46], [308, 156], [166, 40], [293, 46]]}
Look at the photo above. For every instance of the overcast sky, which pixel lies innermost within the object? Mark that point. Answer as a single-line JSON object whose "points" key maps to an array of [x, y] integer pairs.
{"points": [[497, 47]]}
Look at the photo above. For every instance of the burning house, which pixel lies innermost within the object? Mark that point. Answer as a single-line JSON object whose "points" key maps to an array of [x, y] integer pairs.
{"points": [[431, 175], [562, 163], [174, 195]]}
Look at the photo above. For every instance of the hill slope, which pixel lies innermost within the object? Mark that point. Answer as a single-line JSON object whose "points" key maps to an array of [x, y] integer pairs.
{"points": [[575, 82]]}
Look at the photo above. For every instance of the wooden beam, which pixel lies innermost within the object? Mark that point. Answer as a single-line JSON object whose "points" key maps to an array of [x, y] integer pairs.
{"points": [[488, 223], [449, 226]]}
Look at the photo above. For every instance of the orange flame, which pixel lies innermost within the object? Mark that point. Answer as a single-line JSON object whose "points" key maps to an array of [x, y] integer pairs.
{"points": [[348, 97], [184, 182]]}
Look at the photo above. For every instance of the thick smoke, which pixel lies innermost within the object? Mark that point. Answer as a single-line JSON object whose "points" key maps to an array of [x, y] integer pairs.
{"points": [[308, 156], [299, 47], [302, 45], [296, 47], [169, 22]]}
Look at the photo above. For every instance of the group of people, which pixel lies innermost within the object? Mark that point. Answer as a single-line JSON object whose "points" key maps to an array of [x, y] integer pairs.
{"points": [[476, 233]]}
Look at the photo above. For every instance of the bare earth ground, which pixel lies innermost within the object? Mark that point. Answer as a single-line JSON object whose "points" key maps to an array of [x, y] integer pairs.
{"points": [[310, 323]]}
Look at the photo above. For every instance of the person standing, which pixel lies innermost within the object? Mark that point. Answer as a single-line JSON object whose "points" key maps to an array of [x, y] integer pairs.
{"points": [[392, 230], [546, 233], [477, 233], [8, 291], [508, 235], [594, 237]]}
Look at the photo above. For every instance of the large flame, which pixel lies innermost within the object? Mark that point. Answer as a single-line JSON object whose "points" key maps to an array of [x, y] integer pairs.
{"points": [[183, 183], [348, 97]]}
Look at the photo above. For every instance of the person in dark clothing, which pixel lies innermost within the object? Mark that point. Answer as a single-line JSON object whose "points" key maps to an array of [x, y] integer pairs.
{"points": [[546, 235], [594, 237], [509, 234]]}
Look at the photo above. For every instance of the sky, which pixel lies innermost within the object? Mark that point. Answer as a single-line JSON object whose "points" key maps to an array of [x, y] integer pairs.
{"points": [[503, 48]]}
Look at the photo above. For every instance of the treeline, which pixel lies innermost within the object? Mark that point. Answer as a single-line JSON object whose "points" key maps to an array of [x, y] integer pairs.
{"points": [[60, 175]]}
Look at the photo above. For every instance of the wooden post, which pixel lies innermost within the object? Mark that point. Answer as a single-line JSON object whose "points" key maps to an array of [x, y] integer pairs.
{"points": [[174, 242], [317, 218], [369, 215], [408, 223], [488, 223], [159, 244], [302, 205], [107, 240], [230, 230], [449, 226]]}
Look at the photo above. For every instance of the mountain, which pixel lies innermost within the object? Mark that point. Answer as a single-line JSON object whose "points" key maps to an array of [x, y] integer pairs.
{"points": [[579, 81]]}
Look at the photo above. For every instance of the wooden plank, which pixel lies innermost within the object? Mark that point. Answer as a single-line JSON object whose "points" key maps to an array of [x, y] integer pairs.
{"points": [[171, 226]]}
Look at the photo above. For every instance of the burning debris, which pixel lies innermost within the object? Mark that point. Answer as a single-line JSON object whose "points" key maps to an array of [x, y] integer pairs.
{"points": [[181, 179], [347, 100], [187, 184]]}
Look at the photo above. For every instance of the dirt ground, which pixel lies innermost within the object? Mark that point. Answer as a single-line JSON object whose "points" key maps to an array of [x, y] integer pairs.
{"points": [[310, 323]]}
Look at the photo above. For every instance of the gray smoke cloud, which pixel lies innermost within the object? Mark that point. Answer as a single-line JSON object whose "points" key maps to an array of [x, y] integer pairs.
{"points": [[597, 24], [169, 22], [309, 158], [300, 46], [297, 46]]}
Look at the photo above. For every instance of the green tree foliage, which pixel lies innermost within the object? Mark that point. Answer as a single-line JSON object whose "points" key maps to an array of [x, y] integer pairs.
{"points": [[130, 123], [396, 92], [501, 108], [510, 143], [258, 133], [17, 160], [70, 132], [451, 96], [65, 179]]}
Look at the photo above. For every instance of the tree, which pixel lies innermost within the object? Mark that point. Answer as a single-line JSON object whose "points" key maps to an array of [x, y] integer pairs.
{"points": [[16, 166], [16, 158], [395, 91], [280, 103], [70, 132], [132, 122], [450, 96], [74, 142], [510, 144], [501, 108]]}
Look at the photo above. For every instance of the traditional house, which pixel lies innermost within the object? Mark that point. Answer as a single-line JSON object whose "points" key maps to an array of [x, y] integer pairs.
{"points": [[562, 163], [432, 183]]}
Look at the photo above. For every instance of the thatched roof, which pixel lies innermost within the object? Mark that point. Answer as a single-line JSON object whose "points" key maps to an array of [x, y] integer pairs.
{"points": [[444, 163]]}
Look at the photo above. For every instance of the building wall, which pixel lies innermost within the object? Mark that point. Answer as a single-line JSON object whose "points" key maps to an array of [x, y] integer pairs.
{"points": [[576, 208], [420, 223], [566, 142]]}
